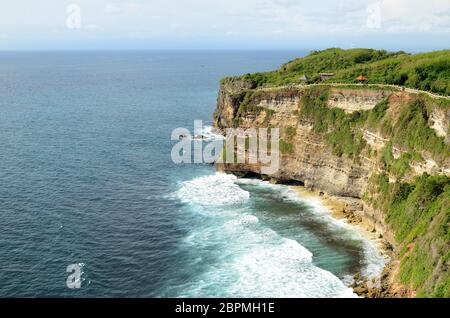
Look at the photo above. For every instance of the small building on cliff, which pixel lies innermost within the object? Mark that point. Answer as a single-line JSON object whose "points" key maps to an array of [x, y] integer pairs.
{"points": [[361, 79], [325, 76]]}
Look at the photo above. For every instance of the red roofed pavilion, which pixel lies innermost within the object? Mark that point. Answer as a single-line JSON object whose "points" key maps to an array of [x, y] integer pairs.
{"points": [[361, 78]]}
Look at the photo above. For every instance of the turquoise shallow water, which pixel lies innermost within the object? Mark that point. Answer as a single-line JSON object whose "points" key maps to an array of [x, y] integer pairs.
{"points": [[86, 177]]}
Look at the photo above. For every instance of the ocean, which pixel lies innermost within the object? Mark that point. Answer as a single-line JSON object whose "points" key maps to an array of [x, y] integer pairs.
{"points": [[86, 178]]}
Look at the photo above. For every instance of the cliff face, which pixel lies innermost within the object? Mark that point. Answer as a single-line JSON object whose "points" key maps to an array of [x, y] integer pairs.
{"points": [[351, 100], [337, 139], [312, 160]]}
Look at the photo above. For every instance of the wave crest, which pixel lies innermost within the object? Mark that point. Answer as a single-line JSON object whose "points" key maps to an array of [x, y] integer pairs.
{"points": [[214, 190]]}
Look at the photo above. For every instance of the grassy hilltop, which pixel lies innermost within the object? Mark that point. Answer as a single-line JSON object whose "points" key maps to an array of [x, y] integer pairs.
{"points": [[424, 71]]}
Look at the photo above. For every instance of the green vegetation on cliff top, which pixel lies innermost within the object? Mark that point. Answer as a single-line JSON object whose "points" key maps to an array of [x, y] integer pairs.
{"points": [[424, 71]]}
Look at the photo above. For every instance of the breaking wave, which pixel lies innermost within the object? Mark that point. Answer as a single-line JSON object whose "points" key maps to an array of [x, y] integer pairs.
{"points": [[218, 189], [243, 257]]}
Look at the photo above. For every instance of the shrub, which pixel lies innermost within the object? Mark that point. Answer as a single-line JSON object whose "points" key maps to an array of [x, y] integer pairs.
{"points": [[285, 147]]}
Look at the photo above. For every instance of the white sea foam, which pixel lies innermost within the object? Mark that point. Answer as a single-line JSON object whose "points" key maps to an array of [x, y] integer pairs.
{"points": [[243, 257], [248, 181], [247, 258], [254, 261], [284, 269], [244, 220], [218, 189], [374, 260], [209, 133]]}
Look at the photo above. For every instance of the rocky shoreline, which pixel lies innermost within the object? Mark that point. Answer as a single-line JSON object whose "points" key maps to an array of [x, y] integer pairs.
{"points": [[352, 211]]}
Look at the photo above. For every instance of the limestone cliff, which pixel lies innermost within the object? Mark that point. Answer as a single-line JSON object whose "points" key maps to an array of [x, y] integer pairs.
{"points": [[312, 160], [339, 139]]}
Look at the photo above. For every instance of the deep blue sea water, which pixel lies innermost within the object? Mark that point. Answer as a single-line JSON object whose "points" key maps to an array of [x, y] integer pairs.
{"points": [[86, 178]]}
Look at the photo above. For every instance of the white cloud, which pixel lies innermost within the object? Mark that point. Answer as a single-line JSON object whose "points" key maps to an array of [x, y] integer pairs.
{"points": [[127, 8], [113, 9], [94, 27], [241, 19], [416, 15]]}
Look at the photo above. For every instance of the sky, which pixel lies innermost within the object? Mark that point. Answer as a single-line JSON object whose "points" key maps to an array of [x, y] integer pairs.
{"points": [[224, 24]]}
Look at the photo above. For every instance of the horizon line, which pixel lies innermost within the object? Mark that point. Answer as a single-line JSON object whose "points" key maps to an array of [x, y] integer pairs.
{"points": [[24, 50]]}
